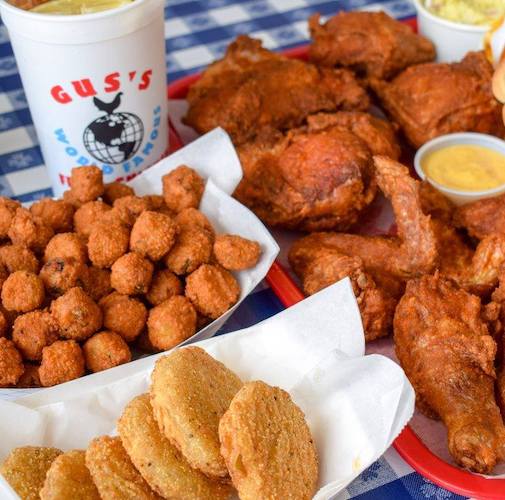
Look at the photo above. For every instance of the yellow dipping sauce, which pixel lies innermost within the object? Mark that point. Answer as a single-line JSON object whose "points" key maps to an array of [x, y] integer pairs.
{"points": [[478, 12], [73, 7], [465, 167]]}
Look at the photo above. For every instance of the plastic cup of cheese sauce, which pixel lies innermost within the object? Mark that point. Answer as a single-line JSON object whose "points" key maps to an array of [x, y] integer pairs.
{"points": [[95, 85], [465, 167]]}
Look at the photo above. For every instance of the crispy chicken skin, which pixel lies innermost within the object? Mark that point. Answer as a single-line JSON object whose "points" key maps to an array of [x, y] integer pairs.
{"points": [[371, 43], [448, 355], [317, 177], [483, 217], [251, 88], [432, 99]]}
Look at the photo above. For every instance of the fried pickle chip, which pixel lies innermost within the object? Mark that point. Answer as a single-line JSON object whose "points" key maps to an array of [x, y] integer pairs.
{"points": [[160, 463], [190, 392], [25, 469], [68, 477], [113, 472], [267, 445]]}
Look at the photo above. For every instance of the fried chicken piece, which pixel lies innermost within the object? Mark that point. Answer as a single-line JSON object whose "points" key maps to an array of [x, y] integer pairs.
{"points": [[317, 177], [251, 88], [434, 203], [432, 99], [483, 217], [371, 43], [448, 355], [412, 253]]}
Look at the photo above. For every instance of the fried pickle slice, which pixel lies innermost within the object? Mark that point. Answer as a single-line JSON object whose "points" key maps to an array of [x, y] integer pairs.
{"points": [[190, 392], [68, 477], [160, 463], [25, 469], [113, 472], [267, 445]]}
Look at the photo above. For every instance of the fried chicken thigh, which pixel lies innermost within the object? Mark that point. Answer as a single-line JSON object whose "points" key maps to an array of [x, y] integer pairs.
{"points": [[371, 43], [448, 355], [251, 88], [317, 177], [429, 100]]}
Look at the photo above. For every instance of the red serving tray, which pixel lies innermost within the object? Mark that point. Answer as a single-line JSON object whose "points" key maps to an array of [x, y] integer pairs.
{"points": [[407, 444]]}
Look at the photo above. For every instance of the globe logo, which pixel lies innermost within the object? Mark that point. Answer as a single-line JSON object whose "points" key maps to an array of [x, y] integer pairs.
{"points": [[115, 137]]}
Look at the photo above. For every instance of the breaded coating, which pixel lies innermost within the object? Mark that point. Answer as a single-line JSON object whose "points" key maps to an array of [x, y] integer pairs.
{"points": [[32, 332], [4, 274], [8, 209], [86, 183], [11, 363], [190, 392], [160, 463], [131, 274], [115, 190], [152, 235], [157, 204], [60, 275], [105, 350], [70, 198], [96, 282], [267, 445], [113, 472], [108, 242], [77, 314], [165, 284], [25, 469], [236, 253], [62, 361], [182, 188], [29, 231], [66, 246], [212, 290], [4, 324], [128, 208], [69, 478], [22, 292], [192, 248], [88, 215], [143, 343], [58, 214], [171, 322], [124, 315], [193, 218], [371, 43], [30, 377], [18, 258]]}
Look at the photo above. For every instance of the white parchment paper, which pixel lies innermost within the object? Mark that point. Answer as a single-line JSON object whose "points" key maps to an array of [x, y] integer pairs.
{"points": [[214, 158], [355, 405]]}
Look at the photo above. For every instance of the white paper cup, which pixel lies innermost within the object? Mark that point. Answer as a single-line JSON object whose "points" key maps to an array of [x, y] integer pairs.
{"points": [[95, 85]]}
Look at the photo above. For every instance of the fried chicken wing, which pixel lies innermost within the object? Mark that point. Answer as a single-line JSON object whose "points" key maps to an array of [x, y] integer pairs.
{"points": [[448, 355], [371, 43], [317, 177], [252, 87], [432, 99]]}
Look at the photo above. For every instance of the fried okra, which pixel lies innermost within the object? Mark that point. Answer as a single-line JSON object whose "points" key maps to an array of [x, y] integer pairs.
{"points": [[30, 231], [192, 248], [107, 243], [96, 282], [58, 214], [18, 258], [86, 183], [193, 218], [153, 235], [88, 215], [77, 314], [32, 332], [165, 284], [30, 377], [66, 246], [182, 188], [60, 275], [124, 315], [131, 274], [22, 292], [128, 208], [11, 363], [115, 190], [105, 350], [236, 253], [171, 322], [8, 209], [212, 290], [62, 361]]}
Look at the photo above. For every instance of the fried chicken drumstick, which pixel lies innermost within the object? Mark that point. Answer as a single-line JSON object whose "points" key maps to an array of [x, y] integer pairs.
{"points": [[251, 88], [448, 355]]}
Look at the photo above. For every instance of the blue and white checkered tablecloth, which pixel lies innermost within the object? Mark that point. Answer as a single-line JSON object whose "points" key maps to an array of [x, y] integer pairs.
{"points": [[197, 32]]}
